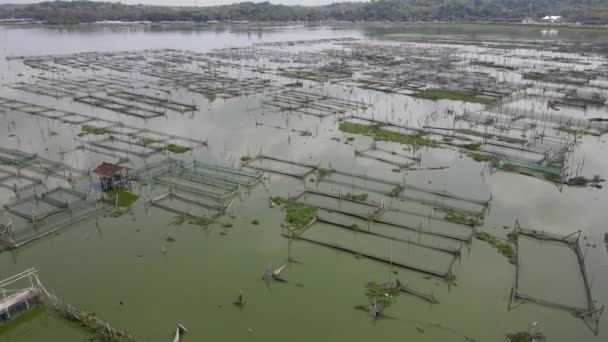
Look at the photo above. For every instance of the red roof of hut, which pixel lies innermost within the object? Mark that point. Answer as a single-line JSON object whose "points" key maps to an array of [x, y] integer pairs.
{"points": [[107, 169]]}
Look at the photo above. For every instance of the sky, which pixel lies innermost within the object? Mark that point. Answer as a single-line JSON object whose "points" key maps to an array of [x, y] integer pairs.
{"points": [[203, 2]]}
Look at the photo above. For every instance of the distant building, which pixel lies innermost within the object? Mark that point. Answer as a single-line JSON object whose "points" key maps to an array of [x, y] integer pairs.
{"points": [[110, 176], [552, 19]]}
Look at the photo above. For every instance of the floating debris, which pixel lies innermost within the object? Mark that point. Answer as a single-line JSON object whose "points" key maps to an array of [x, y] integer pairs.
{"points": [[239, 300], [180, 331]]}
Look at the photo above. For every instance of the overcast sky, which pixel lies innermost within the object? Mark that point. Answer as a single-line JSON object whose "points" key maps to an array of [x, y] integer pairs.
{"points": [[203, 2]]}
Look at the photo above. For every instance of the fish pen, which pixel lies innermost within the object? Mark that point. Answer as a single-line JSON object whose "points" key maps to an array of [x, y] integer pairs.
{"points": [[350, 181], [18, 294], [83, 318], [236, 176], [40, 89], [127, 146], [198, 209], [297, 101], [336, 202], [39, 215], [400, 160], [279, 165], [219, 183], [105, 126], [417, 237], [386, 250], [535, 249]]}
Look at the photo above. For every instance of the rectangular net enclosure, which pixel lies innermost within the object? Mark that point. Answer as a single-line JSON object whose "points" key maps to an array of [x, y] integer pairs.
{"points": [[376, 247], [298, 101], [216, 182], [393, 232], [187, 205], [398, 159], [551, 272], [226, 174], [127, 146], [112, 127], [36, 216], [281, 166], [196, 184], [337, 203], [347, 181]]}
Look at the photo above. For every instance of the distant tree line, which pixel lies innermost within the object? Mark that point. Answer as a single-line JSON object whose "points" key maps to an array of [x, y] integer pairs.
{"points": [[73, 12]]}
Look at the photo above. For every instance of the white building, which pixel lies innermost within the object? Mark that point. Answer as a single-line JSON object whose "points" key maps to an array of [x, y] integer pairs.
{"points": [[552, 18]]}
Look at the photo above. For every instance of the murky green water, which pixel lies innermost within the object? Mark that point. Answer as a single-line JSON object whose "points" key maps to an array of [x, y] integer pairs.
{"points": [[98, 263]]}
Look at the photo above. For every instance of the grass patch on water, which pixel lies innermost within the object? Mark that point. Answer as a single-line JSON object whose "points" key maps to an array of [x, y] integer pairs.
{"points": [[146, 141], [572, 131], [356, 197], [86, 130], [323, 172], [377, 133], [182, 218], [510, 140], [479, 157], [210, 95], [525, 336], [442, 94], [455, 216], [174, 148], [380, 294], [245, 159], [474, 133], [297, 215], [125, 198], [504, 247]]}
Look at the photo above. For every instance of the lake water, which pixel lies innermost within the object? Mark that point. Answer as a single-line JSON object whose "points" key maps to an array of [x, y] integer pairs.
{"points": [[125, 271]]}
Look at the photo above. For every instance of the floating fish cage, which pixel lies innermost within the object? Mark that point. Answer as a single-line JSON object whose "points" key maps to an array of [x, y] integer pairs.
{"points": [[195, 208], [280, 166], [18, 294], [39, 215], [297, 101], [563, 284]]}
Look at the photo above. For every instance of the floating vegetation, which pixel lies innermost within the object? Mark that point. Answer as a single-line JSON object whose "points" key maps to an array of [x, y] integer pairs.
{"points": [[474, 133], [378, 134], [511, 140], [356, 197], [479, 157], [380, 294], [121, 198], [86, 130], [525, 336], [182, 218], [323, 172], [306, 133], [245, 159], [504, 247], [255, 222], [170, 239], [573, 131], [146, 141], [350, 139], [297, 215], [442, 94], [174, 148], [209, 95], [455, 216], [227, 225], [118, 212], [472, 147]]}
